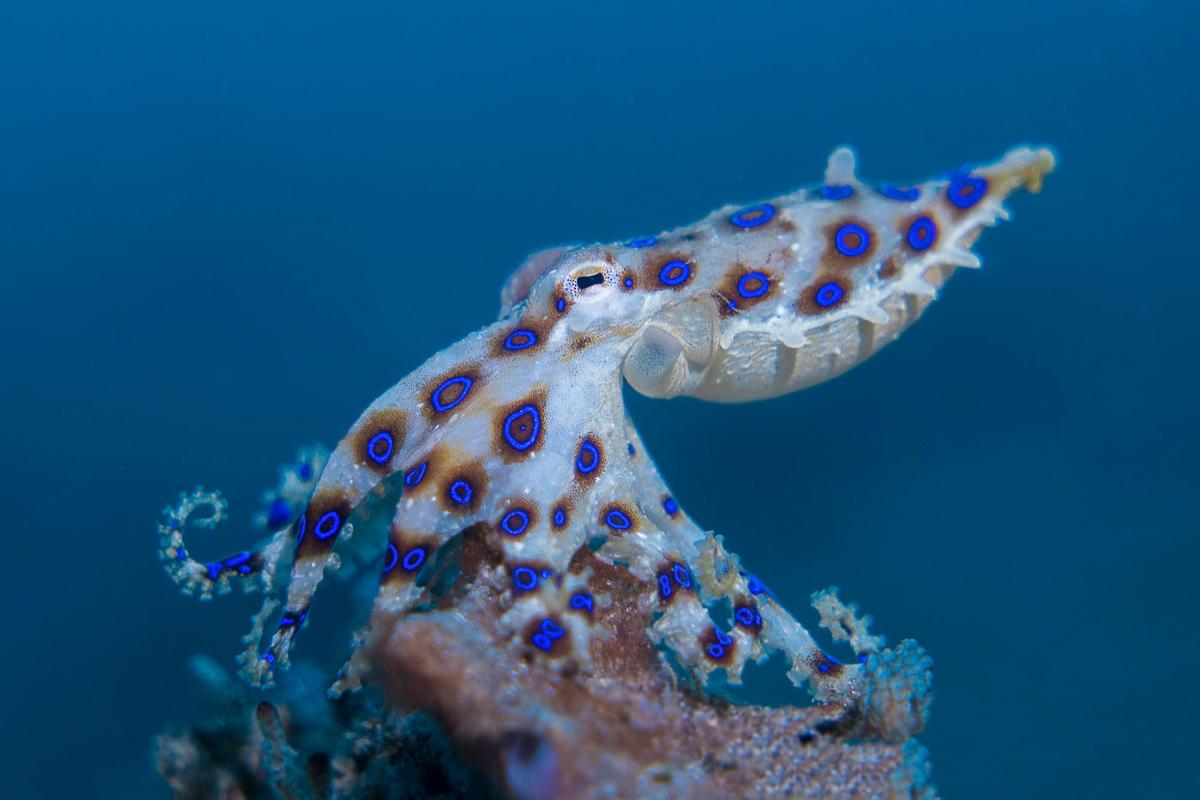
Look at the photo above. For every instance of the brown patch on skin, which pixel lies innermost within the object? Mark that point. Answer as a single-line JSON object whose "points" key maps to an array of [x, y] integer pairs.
{"points": [[323, 503], [823, 665], [730, 299], [391, 421], [453, 394], [834, 258], [520, 505], [520, 338], [891, 267], [589, 459], [525, 422], [464, 488], [808, 305], [652, 272], [408, 564], [611, 514], [480, 549], [580, 342], [710, 644]]}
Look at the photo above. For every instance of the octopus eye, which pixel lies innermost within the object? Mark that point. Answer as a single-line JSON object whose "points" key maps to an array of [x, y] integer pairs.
{"points": [[583, 282]]}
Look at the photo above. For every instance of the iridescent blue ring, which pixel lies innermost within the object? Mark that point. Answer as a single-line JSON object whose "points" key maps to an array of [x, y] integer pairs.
{"points": [[645, 241], [907, 193], [682, 576], [753, 216], [664, 586], [413, 559], [670, 506], [373, 446], [536, 424], [560, 517], [675, 273], [842, 243], [393, 558], [748, 292], [560, 305], [617, 520], [716, 652], [524, 578], [459, 380], [301, 525], [922, 233], [588, 448], [839, 191], [327, 525], [747, 617], [829, 294], [542, 641], [520, 339], [460, 492], [515, 522], [416, 474], [628, 282], [552, 629], [965, 189], [582, 602]]}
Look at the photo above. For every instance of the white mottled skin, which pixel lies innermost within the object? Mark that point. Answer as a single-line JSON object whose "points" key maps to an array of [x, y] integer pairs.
{"points": [[664, 342]]}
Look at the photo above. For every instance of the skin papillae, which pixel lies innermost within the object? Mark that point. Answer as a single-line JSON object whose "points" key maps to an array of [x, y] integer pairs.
{"points": [[542, 593]]}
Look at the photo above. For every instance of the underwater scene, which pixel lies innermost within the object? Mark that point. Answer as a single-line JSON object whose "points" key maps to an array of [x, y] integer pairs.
{"points": [[550, 400]]}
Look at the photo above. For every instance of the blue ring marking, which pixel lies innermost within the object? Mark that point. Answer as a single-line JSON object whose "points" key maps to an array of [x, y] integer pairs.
{"points": [[587, 448], [393, 558], [416, 474], [460, 492], [922, 233], [629, 446], [675, 273], [301, 526], [525, 579], [764, 283], [840, 240], [821, 665], [542, 641], [552, 629], [747, 617], [645, 241], [547, 573], [863, 658], [682, 576], [287, 621], [304, 470], [722, 636], [529, 340], [617, 520], [323, 531], [715, 652], [582, 602], [753, 216], [279, 514], [907, 193], [214, 570], [838, 191], [560, 517], [829, 294], [670, 506], [628, 282], [664, 586], [459, 380], [755, 585], [413, 559], [269, 658], [515, 522], [965, 189], [513, 417], [373, 446], [560, 305]]}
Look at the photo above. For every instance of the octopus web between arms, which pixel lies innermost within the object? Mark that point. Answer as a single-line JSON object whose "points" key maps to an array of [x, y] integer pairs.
{"points": [[526, 500]]}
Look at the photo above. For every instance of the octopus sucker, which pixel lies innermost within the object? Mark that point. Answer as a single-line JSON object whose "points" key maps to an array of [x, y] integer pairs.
{"points": [[513, 456]]}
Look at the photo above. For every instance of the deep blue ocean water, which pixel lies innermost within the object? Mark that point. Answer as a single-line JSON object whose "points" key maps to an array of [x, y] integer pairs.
{"points": [[225, 228]]}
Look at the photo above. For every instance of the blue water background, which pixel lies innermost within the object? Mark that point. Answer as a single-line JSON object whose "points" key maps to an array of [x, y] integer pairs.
{"points": [[225, 228]]}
